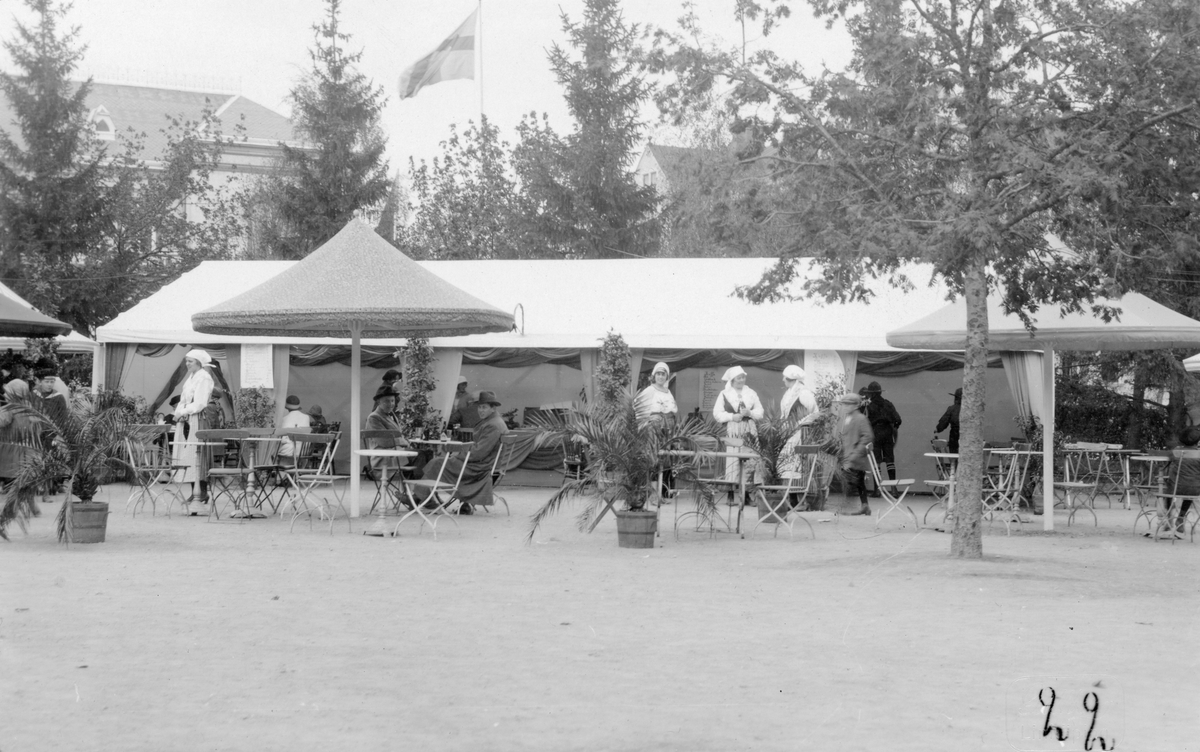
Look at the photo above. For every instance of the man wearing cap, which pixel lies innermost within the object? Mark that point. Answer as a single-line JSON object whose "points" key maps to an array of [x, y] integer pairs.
{"points": [[949, 420], [475, 488], [854, 436], [885, 423], [293, 419]]}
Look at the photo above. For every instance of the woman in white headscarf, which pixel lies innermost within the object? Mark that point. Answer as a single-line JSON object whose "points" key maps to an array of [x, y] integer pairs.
{"points": [[737, 407], [657, 400], [193, 399], [798, 404]]}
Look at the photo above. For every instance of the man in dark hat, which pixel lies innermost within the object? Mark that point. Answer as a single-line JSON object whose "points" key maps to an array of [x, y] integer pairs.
{"points": [[475, 488], [46, 395], [949, 420], [885, 423]]}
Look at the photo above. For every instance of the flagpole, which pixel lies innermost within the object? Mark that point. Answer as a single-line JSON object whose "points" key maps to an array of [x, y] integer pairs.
{"points": [[481, 63]]}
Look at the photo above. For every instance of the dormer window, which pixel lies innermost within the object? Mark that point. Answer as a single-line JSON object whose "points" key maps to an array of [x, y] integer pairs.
{"points": [[102, 124]]}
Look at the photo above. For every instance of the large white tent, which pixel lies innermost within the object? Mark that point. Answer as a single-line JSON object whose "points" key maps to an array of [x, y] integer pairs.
{"points": [[562, 310]]}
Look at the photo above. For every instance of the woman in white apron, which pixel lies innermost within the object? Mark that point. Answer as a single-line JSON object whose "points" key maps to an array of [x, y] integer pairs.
{"points": [[193, 398], [737, 407]]}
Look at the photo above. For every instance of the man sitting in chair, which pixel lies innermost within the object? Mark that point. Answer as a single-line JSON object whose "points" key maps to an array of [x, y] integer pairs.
{"points": [[476, 485]]}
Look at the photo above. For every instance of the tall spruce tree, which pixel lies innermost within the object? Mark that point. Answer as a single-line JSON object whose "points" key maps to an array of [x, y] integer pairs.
{"points": [[50, 171], [579, 198], [341, 169]]}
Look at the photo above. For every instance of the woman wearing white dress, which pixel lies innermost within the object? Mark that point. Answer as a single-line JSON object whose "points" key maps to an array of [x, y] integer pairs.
{"points": [[737, 407], [657, 400], [193, 398]]}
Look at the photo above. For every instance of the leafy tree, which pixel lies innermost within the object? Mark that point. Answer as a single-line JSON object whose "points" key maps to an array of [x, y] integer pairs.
{"points": [[464, 203], [579, 198], [88, 233], [341, 170], [961, 134]]}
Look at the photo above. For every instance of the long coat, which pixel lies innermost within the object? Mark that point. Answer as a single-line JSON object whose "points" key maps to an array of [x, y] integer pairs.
{"points": [[854, 436], [193, 399], [476, 485]]}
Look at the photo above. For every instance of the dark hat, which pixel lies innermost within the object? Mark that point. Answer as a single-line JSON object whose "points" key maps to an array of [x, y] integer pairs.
{"points": [[216, 393], [315, 411], [292, 402], [391, 375], [488, 398], [957, 394], [874, 388], [383, 391], [42, 373], [174, 401]]}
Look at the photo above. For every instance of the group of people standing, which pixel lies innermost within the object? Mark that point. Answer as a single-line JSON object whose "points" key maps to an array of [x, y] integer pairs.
{"points": [[48, 395]]}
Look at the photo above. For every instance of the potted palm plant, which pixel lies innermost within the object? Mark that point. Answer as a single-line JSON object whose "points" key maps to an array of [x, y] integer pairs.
{"points": [[83, 445], [624, 448]]}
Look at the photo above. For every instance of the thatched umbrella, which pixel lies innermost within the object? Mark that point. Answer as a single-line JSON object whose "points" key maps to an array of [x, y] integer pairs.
{"points": [[355, 285], [1143, 325], [17, 320]]}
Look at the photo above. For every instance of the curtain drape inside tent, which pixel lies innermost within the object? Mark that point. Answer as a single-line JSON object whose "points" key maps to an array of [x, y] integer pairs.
{"points": [[635, 367], [280, 364], [587, 363], [1024, 372], [233, 357], [117, 364], [446, 367]]}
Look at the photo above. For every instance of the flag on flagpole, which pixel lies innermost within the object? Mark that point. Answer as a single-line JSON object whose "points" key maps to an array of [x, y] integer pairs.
{"points": [[453, 58]]}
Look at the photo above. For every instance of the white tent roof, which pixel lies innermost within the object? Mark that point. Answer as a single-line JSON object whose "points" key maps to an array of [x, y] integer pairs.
{"points": [[652, 303], [70, 343], [1192, 364]]}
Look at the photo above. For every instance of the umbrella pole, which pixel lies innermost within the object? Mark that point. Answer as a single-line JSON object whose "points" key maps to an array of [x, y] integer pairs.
{"points": [[355, 417], [1048, 438]]}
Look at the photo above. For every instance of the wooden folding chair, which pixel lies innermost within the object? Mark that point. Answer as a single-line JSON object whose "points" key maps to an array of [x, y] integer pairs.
{"points": [[891, 491], [500, 468], [439, 496]]}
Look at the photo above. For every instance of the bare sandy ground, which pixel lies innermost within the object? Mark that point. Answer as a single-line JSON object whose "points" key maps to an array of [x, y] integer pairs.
{"points": [[180, 634]]}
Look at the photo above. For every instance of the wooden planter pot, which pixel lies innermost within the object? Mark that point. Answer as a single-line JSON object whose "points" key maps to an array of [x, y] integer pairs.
{"points": [[636, 529], [89, 521]]}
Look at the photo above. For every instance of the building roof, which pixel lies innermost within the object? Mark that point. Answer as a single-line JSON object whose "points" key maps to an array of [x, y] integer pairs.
{"points": [[145, 109], [682, 303]]}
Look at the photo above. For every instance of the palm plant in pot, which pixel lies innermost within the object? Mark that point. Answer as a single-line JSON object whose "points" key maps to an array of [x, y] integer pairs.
{"points": [[83, 445], [624, 446]]}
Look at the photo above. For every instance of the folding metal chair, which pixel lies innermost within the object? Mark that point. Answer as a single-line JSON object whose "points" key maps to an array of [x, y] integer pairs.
{"points": [[151, 470], [231, 478], [1164, 518], [500, 468], [888, 490], [385, 439], [1078, 486], [438, 497], [307, 481]]}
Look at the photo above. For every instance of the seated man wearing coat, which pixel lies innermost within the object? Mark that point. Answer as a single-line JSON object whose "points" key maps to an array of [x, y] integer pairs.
{"points": [[476, 485]]}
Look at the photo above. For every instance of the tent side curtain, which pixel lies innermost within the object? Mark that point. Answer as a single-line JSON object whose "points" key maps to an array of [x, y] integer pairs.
{"points": [[888, 364]]}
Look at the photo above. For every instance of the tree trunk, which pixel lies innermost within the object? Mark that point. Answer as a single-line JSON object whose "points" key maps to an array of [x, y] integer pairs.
{"points": [[967, 540], [1137, 405], [1177, 414]]}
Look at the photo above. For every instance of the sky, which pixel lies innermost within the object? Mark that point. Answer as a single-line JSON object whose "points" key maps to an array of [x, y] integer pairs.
{"points": [[259, 48]]}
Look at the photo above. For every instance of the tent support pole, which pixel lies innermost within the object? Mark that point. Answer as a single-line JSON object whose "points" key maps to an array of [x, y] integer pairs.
{"points": [[1048, 438], [355, 415]]}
